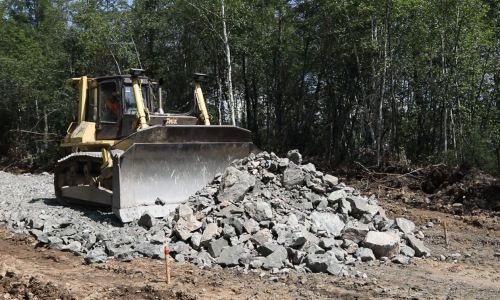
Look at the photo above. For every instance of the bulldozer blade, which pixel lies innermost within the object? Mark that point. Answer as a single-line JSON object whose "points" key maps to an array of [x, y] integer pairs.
{"points": [[156, 178]]}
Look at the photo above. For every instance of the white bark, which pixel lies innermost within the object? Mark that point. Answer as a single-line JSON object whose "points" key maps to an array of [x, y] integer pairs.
{"points": [[228, 62], [45, 130]]}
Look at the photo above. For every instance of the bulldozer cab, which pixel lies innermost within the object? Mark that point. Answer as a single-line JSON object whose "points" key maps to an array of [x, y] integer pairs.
{"points": [[132, 157], [114, 108], [112, 105]]}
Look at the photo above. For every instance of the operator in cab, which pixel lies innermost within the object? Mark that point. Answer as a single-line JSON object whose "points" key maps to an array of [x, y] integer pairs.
{"points": [[113, 107]]}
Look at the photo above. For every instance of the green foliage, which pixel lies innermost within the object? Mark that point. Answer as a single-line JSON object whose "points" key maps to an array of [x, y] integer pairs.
{"points": [[307, 74]]}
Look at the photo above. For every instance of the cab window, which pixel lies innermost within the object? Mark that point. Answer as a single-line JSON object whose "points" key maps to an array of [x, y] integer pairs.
{"points": [[109, 102], [89, 114], [130, 106]]}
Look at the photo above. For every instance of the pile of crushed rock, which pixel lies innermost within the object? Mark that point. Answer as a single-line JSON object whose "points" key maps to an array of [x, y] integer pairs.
{"points": [[272, 213], [263, 212]]}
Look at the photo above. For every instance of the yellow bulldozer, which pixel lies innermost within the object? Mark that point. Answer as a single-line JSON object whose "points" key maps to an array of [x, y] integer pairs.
{"points": [[130, 156]]}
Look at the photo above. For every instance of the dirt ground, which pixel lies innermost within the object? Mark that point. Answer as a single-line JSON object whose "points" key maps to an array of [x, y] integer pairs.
{"points": [[31, 272]]}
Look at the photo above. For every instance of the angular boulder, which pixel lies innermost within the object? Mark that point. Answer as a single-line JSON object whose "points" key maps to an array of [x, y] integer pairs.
{"points": [[320, 262], [234, 185], [210, 232], [405, 225], [336, 196], [355, 231], [230, 256], [330, 180], [382, 243], [259, 210], [361, 206], [293, 176], [418, 246], [365, 254], [215, 247], [275, 259], [329, 222]]}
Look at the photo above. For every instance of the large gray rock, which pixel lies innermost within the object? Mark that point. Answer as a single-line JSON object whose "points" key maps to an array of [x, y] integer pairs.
{"points": [[330, 180], [361, 206], [293, 176], [418, 246], [186, 222], [335, 269], [149, 250], [215, 247], [230, 256], [407, 251], [336, 196], [405, 225], [259, 210], [382, 243], [320, 262], [267, 248], [329, 222], [211, 231], [261, 237], [251, 226], [234, 185], [365, 254], [275, 259], [401, 259], [355, 231], [196, 240]]}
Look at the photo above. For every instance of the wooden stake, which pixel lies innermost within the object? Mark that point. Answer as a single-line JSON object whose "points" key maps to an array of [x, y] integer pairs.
{"points": [[445, 234], [167, 265]]}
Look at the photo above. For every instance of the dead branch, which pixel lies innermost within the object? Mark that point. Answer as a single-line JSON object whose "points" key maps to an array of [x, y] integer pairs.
{"points": [[32, 132]]}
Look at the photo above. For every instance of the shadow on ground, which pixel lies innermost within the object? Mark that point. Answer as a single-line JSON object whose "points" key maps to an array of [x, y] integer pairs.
{"points": [[95, 213]]}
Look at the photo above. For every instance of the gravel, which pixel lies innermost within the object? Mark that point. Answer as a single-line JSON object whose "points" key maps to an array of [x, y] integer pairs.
{"points": [[263, 212]]}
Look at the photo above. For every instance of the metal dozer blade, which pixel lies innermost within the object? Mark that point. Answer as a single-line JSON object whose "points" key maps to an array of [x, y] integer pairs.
{"points": [[162, 166]]}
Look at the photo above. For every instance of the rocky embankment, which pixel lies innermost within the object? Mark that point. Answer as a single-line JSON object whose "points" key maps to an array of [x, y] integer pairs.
{"points": [[263, 212]]}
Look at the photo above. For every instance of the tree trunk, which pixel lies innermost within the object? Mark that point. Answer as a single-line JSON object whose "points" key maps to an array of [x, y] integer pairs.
{"points": [[219, 96], [45, 130], [445, 113], [380, 123], [228, 64], [247, 94]]}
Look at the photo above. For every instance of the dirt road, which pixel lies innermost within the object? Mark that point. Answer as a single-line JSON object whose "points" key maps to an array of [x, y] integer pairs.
{"points": [[28, 272]]}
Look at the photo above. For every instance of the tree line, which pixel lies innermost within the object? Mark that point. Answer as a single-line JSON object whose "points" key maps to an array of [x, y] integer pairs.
{"points": [[342, 80]]}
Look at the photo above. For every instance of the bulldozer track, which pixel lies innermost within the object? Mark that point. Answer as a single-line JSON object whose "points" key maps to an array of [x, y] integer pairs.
{"points": [[77, 169]]}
